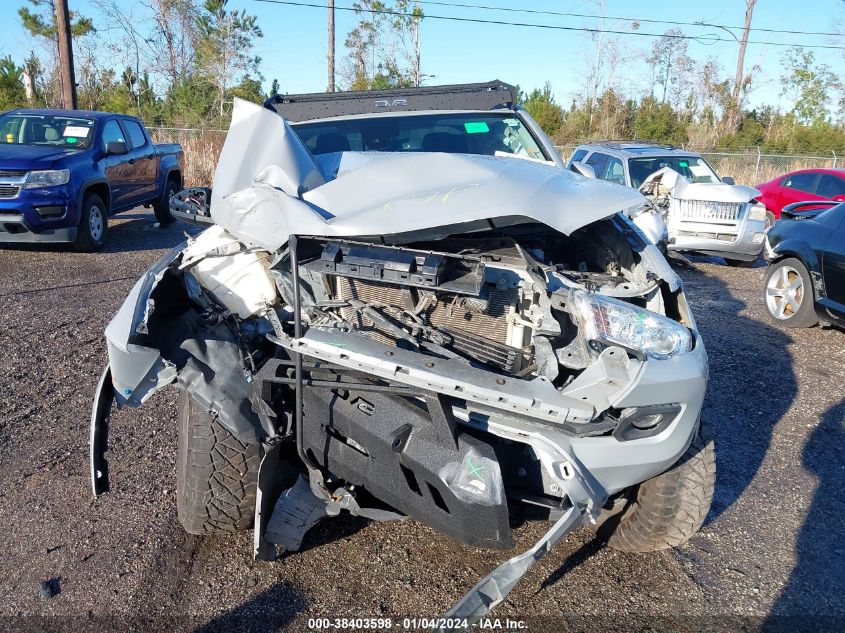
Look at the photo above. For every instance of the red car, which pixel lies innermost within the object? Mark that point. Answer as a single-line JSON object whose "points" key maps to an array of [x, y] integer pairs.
{"points": [[801, 186]]}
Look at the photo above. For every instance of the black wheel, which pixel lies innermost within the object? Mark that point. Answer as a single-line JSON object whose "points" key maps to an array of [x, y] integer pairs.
{"points": [[216, 474], [740, 263], [789, 294], [162, 207], [93, 223], [666, 510]]}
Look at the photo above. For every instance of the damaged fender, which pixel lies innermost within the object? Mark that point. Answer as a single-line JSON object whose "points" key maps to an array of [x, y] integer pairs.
{"points": [[205, 358]]}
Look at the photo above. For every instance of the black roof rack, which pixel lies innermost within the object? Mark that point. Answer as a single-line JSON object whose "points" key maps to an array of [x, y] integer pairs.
{"points": [[319, 105], [630, 143]]}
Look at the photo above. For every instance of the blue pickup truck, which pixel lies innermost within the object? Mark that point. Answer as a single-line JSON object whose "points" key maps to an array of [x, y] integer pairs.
{"points": [[63, 172]]}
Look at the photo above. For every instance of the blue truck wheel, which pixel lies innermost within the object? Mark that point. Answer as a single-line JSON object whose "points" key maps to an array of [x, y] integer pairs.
{"points": [[93, 224]]}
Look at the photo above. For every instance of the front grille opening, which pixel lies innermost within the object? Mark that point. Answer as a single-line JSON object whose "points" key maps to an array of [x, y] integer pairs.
{"points": [[411, 480], [438, 498], [706, 210]]}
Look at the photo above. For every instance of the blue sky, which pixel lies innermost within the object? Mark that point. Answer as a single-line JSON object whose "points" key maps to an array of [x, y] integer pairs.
{"points": [[293, 49]]}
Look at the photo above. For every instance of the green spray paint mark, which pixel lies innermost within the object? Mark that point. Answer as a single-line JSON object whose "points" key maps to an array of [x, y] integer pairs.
{"points": [[474, 470], [476, 127]]}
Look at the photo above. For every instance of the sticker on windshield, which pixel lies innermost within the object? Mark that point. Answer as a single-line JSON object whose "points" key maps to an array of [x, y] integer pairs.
{"points": [[476, 127], [70, 139], [683, 163], [511, 122], [76, 130]]}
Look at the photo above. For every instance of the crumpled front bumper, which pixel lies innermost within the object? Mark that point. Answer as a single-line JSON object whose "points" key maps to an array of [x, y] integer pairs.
{"points": [[742, 241], [536, 413]]}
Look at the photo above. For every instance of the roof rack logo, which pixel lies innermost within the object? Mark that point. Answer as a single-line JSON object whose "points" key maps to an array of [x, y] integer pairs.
{"points": [[384, 103]]}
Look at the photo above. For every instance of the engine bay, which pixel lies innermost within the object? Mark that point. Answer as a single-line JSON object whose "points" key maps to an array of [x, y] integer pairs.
{"points": [[495, 300]]}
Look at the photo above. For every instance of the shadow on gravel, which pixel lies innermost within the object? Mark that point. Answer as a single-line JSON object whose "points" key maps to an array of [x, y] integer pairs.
{"points": [[271, 610], [332, 529], [138, 232], [813, 596], [127, 232], [752, 382], [587, 550]]}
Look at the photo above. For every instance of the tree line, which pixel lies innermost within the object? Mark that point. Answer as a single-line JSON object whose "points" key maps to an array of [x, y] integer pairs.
{"points": [[171, 62], [180, 62]]}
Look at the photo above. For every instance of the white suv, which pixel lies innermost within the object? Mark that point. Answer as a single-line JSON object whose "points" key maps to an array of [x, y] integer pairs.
{"points": [[704, 213]]}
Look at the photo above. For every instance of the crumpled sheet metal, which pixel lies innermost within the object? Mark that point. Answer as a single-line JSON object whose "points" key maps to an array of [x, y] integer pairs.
{"points": [[682, 189], [387, 194]]}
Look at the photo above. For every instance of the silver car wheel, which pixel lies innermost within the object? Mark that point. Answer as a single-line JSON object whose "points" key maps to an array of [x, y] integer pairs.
{"points": [[95, 223], [784, 293]]}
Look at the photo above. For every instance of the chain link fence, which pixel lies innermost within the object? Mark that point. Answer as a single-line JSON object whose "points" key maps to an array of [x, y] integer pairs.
{"points": [[751, 165], [201, 147]]}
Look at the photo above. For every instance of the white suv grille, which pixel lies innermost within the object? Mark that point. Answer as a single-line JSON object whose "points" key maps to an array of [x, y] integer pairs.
{"points": [[707, 211]]}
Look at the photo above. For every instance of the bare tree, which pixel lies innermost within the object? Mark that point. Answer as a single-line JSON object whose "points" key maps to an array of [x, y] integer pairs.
{"points": [[131, 44], [733, 115], [384, 46], [740, 60], [174, 34], [603, 61]]}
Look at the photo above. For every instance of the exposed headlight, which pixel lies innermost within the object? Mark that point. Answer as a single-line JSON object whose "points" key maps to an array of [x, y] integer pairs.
{"points": [[615, 322], [47, 178], [757, 211]]}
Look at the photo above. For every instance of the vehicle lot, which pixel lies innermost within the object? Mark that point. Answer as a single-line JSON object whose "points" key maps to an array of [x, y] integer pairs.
{"points": [[770, 547]]}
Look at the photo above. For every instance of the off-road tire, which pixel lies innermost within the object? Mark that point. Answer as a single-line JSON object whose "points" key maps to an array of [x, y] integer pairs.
{"points": [[666, 510], [162, 207], [216, 474], [88, 239]]}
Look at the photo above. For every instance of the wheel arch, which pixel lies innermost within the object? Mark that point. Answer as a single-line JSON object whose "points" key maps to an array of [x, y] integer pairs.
{"points": [[99, 187], [174, 173], [798, 249]]}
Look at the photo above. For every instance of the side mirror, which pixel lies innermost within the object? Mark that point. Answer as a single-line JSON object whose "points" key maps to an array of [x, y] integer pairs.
{"points": [[116, 148], [728, 180], [583, 168]]}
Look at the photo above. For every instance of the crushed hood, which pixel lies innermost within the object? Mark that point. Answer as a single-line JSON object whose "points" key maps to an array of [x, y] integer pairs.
{"points": [[682, 189], [268, 186]]}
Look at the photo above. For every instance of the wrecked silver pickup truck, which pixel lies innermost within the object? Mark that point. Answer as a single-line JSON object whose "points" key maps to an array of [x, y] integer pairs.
{"points": [[459, 339], [702, 212]]}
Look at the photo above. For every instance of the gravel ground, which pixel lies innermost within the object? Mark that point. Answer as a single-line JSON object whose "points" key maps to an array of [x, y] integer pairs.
{"points": [[770, 554]]}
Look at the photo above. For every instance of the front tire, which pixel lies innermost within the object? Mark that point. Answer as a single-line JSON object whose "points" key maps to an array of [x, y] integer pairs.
{"points": [[216, 474], [93, 224], [666, 510], [789, 294]]}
